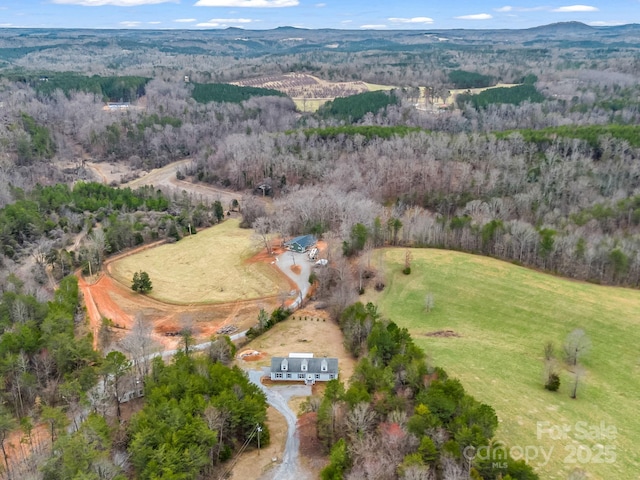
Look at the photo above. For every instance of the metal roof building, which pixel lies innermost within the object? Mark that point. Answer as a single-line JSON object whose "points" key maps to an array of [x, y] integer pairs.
{"points": [[301, 244], [307, 370]]}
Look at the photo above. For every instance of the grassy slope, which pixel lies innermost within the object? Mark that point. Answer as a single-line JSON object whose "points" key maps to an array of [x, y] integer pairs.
{"points": [[204, 268], [504, 315], [374, 87]]}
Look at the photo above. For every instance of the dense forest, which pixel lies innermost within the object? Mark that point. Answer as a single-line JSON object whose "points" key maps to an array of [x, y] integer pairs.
{"points": [[544, 174], [353, 108], [556, 203], [496, 96], [463, 79], [198, 414], [223, 92], [41, 223], [113, 88]]}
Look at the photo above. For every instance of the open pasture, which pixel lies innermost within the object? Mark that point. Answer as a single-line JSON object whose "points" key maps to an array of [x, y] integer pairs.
{"points": [[209, 267], [498, 317]]}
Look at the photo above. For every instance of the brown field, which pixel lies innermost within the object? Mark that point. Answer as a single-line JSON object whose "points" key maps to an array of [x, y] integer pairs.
{"points": [[307, 330], [206, 268], [309, 92]]}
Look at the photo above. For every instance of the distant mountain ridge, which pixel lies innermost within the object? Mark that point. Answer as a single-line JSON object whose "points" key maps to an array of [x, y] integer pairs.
{"points": [[16, 43]]}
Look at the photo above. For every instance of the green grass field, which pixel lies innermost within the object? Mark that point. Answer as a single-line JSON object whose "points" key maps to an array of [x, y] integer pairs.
{"points": [[504, 314], [309, 104], [209, 267], [374, 87]]}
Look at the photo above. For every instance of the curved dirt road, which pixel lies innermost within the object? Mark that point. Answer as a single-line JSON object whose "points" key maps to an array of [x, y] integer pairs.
{"points": [[166, 177]]}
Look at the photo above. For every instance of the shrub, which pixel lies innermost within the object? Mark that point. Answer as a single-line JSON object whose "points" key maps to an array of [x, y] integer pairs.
{"points": [[553, 382], [406, 270]]}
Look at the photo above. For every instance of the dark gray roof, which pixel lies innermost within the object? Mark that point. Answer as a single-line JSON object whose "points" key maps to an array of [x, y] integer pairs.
{"points": [[313, 365], [303, 240]]}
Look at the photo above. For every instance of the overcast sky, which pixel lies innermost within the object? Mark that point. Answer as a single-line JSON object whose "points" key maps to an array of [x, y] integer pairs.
{"points": [[344, 14]]}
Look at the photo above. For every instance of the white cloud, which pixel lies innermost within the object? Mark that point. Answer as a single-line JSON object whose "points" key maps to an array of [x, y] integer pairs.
{"points": [[154, 23], [476, 16], [509, 8], [605, 24], [247, 3], [575, 8], [224, 22], [411, 20], [321, 5], [115, 3], [346, 21], [185, 20], [373, 26], [6, 25], [231, 20], [130, 23]]}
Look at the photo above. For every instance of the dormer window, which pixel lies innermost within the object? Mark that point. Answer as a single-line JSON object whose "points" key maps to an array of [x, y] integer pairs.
{"points": [[284, 366], [304, 366], [323, 366]]}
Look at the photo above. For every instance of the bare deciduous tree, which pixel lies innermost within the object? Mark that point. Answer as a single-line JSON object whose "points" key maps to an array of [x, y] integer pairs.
{"points": [[429, 301], [578, 374], [263, 233], [576, 346], [139, 345], [360, 419]]}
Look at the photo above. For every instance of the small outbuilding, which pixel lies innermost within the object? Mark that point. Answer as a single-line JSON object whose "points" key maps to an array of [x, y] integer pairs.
{"points": [[301, 244], [303, 369]]}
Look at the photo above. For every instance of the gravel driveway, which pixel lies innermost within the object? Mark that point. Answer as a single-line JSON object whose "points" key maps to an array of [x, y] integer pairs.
{"points": [[277, 397], [285, 261]]}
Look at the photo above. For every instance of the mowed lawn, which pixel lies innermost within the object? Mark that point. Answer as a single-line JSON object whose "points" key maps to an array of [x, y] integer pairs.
{"points": [[208, 267], [504, 314]]}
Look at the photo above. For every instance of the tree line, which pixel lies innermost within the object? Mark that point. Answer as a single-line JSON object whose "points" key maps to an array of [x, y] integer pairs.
{"points": [[401, 417], [512, 95], [111, 88], [562, 206], [466, 79], [224, 92]]}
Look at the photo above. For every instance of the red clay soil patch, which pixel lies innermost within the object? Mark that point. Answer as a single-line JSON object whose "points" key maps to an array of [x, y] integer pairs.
{"points": [[107, 298], [442, 333], [265, 257], [310, 446], [296, 269]]}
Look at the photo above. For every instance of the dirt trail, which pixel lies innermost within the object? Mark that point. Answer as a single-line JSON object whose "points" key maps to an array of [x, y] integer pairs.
{"points": [[166, 177]]}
